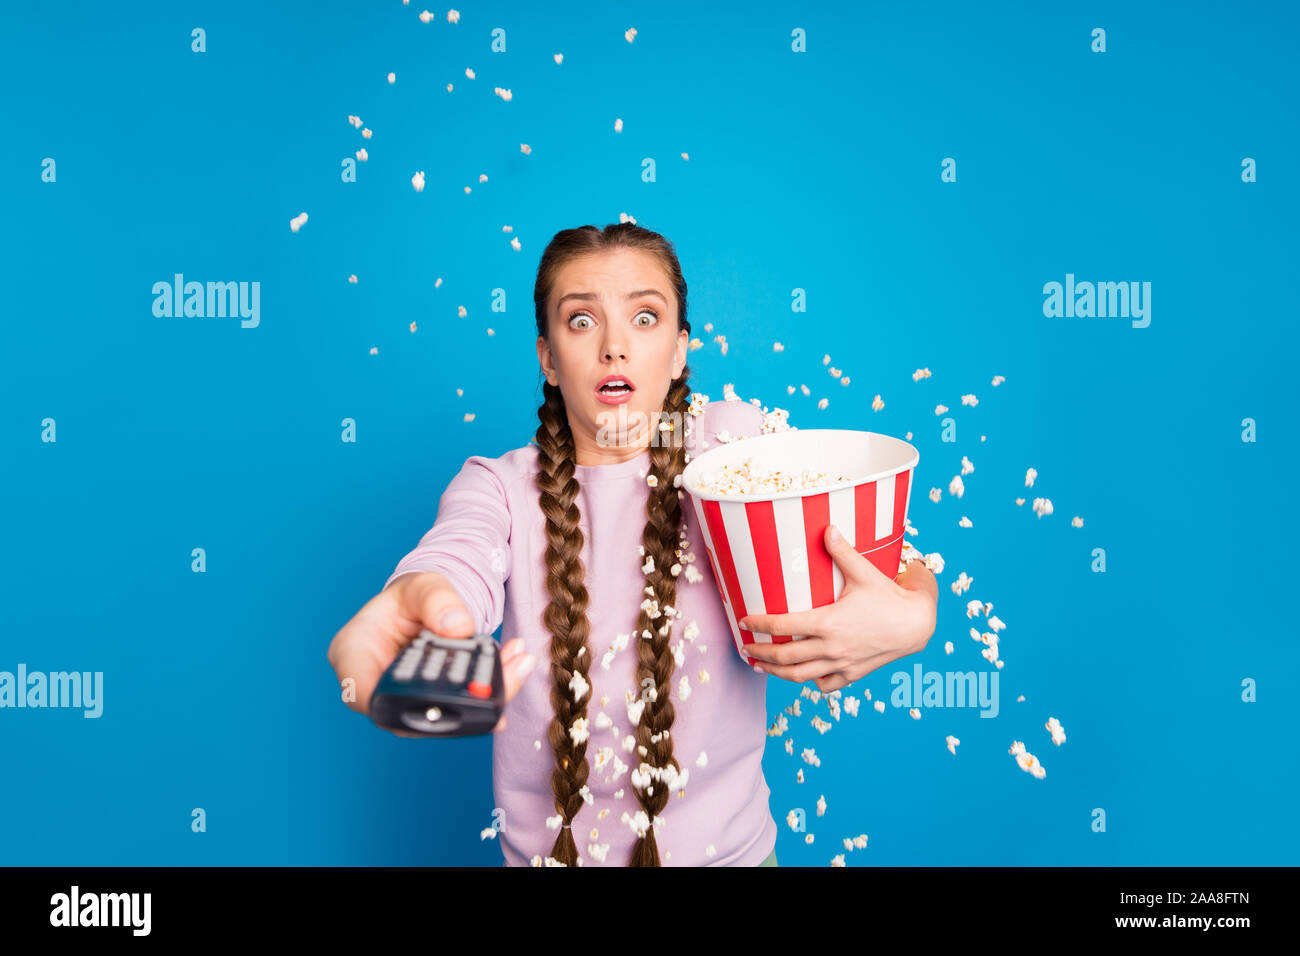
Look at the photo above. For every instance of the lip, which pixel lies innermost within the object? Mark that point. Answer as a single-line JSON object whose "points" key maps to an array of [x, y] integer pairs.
{"points": [[614, 399]]}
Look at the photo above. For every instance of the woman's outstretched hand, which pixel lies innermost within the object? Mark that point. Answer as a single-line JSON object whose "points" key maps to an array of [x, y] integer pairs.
{"points": [[875, 621], [365, 646]]}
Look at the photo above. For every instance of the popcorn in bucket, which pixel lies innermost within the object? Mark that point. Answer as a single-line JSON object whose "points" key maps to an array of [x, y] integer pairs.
{"points": [[762, 505]]}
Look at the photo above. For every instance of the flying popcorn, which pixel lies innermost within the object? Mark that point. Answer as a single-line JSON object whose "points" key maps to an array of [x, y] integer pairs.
{"points": [[504, 94], [792, 818], [618, 126], [952, 743], [366, 133], [962, 584], [778, 347], [822, 403], [956, 487], [966, 466], [1019, 502], [964, 522], [1027, 761], [514, 243], [362, 155], [392, 78], [418, 181], [686, 156], [947, 647], [935, 495], [1076, 521], [355, 121], [298, 221], [453, 16], [1030, 475], [1056, 730], [998, 380], [845, 381], [880, 706], [940, 409], [1042, 506], [821, 805], [630, 35], [969, 400], [525, 148], [810, 756], [994, 622], [920, 373], [426, 16], [352, 279], [559, 58], [469, 73], [934, 561], [914, 713], [877, 404]]}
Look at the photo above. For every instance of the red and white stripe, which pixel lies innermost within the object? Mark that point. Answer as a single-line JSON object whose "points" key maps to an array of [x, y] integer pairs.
{"points": [[768, 556]]}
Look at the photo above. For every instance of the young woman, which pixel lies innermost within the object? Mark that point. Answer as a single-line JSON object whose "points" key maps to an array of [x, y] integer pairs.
{"points": [[642, 741]]}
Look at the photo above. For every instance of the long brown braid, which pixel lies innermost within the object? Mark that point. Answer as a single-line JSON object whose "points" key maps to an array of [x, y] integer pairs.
{"points": [[565, 616]]}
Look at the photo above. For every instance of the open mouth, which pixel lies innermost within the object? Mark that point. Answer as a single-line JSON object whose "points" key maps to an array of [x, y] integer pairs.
{"points": [[615, 386]]}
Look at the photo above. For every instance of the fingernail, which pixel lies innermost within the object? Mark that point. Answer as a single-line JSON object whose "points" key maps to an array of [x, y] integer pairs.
{"points": [[835, 533], [454, 617], [759, 670]]}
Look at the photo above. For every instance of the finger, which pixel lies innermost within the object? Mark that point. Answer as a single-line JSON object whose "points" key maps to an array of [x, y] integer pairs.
{"points": [[501, 724], [789, 652], [856, 568], [798, 673], [432, 604], [796, 622], [516, 670]]}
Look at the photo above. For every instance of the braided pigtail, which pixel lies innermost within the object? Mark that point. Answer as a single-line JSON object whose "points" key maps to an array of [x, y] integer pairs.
{"points": [[565, 616], [659, 774]]}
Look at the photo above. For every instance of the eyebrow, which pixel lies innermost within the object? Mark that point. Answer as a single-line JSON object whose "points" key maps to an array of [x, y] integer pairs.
{"points": [[592, 295]]}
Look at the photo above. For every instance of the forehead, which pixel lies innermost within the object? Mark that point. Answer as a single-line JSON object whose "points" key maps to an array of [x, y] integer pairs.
{"points": [[611, 275]]}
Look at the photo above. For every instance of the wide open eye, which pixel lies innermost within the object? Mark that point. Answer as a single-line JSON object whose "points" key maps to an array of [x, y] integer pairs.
{"points": [[654, 318], [573, 324]]}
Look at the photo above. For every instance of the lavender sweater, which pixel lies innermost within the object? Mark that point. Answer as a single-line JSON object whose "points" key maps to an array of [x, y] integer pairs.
{"points": [[489, 541]]}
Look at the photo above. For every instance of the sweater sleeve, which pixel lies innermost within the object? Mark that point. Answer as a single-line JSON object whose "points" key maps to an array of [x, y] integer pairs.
{"points": [[469, 543]]}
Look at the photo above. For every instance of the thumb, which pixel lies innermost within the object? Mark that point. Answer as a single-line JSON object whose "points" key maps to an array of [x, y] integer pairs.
{"points": [[856, 568], [437, 606]]}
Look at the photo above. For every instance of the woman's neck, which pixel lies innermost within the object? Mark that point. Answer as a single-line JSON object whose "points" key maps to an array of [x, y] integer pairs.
{"points": [[589, 452]]}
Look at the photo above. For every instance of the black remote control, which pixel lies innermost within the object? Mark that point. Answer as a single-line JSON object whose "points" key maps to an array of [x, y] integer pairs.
{"points": [[442, 686]]}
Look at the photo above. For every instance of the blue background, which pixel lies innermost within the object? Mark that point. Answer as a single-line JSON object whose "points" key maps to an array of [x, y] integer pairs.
{"points": [[818, 171]]}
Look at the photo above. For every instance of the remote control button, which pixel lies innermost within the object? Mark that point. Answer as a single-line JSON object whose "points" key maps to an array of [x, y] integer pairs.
{"points": [[480, 690], [460, 667], [436, 659]]}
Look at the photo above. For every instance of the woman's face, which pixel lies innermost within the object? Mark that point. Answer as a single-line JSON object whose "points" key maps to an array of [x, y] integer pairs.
{"points": [[612, 315]]}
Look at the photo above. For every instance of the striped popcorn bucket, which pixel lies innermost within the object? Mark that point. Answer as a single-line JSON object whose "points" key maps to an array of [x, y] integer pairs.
{"points": [[767, 550]]}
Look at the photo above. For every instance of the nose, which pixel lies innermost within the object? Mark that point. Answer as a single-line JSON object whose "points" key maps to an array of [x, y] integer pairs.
{"points": [[612, 346]]}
